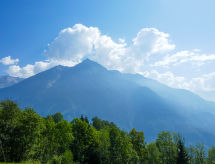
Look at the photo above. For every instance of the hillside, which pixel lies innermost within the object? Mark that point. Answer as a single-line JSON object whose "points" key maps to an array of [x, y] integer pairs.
{"points": [[126, 99]]}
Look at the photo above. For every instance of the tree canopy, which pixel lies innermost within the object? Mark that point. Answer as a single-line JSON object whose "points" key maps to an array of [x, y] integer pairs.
{"points": [[27, 136]]}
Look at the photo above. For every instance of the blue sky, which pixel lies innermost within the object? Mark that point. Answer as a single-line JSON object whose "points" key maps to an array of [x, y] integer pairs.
{"points": [[27, 27]]}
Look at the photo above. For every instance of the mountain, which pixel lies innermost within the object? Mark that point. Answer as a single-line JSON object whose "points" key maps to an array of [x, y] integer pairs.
{"points": [[207, 95], [128, 100], [6, 81]]}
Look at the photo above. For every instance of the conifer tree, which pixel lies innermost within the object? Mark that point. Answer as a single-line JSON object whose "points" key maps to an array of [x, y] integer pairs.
{"points": [[183, 157]]}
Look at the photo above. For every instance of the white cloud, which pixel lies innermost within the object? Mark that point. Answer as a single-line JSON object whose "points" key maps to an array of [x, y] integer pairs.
{"points": [[150, 53], [151, 41], [72, 45], [79, 42], [8, 61], [194, 57], [167, 78], [204, 83], [28, 70]]}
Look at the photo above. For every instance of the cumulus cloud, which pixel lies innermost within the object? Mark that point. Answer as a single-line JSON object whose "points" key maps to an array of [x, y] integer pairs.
{"points": [[151, 41], [73, 45], [29, 69], [80, 42], [149, 53], [8, 60]]}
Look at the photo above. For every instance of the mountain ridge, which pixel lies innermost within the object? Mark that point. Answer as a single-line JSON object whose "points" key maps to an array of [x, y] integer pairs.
{"points": [[7, 81], [129, 100]]}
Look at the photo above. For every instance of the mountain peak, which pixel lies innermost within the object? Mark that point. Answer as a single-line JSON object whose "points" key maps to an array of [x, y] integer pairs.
{"points": [[88, 61], [89, 64], [129, 100]]}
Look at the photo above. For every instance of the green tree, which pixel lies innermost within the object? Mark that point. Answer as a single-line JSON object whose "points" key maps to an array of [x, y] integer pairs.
{"points": [[120, 147], [104, 145], [200, 153], [85, 144], [63, 136], [211, 155], [183, 157], [55, 139], [197, 154], [101, 124], [29, 128], [167, 148], [20, 131], [137, 140], [57, 117], [9, 136], [48, 147], [154, 155], [191, 154]]}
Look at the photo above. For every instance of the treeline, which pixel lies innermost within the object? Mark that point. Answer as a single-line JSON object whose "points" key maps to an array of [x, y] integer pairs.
{"points": [[26, 136]]}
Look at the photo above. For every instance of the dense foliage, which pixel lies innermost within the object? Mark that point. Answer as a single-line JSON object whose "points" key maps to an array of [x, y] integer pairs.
{"points": [[26, 136]]}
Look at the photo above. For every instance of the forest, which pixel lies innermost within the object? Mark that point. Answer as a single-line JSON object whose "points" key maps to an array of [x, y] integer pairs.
{"points": [[25, 136]]}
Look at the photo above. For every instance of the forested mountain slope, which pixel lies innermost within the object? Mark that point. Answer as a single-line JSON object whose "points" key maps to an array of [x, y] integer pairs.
{"points": [[126, 99]]}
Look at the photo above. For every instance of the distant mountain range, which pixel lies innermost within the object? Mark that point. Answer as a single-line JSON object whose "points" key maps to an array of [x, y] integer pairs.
{"points": [[6, 81], [129, 100]]}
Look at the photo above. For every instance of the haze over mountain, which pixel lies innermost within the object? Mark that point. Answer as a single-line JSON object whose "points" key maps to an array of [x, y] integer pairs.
{"points": [[127, 99], [6, 81], [207, 95]]}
